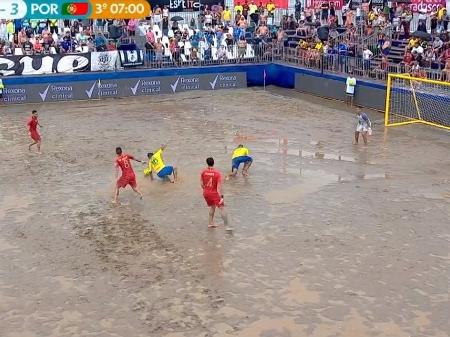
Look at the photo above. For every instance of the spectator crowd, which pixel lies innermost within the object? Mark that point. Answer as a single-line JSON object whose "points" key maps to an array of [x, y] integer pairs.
{"points": [[379, 36]]}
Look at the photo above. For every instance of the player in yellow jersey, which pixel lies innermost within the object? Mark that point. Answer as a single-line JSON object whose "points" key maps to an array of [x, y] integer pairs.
{"points": [[240, 155], [156, 165]]}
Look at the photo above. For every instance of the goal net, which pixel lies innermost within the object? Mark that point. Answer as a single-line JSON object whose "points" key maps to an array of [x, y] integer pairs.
{"points": [[416, 100]]}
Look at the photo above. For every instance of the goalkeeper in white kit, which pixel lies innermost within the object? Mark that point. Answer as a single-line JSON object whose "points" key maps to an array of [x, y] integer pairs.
{"points": [[364, 126]]}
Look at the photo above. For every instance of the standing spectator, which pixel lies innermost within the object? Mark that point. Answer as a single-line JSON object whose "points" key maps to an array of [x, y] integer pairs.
{"points": [[165, 12], [332, 9], [367, 57], [208, 19], [324, 7], [3, 31], [165, 25], [245, 9], [350, 85], [242, 48], [238, 8], [406, 23], [433, 23], [132, 26], [270, 12], [349, 19], [157, 16], [423, 18], [2, 87], [442, 12], [253, 11], [10, 28], [159, 50], [226, 16], [149, 51], [175, 51]]}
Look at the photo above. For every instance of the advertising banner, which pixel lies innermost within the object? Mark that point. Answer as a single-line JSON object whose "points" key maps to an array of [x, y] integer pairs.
{"points": [[182, 5], [131, 58], [282, 4], [315, 4], [44, 64], [98, 89], [426, 5], [104, 61]]}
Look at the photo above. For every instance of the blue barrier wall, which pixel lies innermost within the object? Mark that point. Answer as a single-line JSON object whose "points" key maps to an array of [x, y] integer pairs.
{"points": [[368, 93]]}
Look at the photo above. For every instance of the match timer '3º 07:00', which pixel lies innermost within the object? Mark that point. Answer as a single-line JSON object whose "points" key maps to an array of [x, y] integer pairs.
{"points": [[74, 9]]}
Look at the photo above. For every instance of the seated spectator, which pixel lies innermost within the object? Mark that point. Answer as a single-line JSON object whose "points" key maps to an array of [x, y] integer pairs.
{"points": [[428, 57], [27, 47], [444, 58], [386, 47], [418, 49], [445, 76], [194, 55], [22, 37], [408, 60], [262, 32], [67, 44], [437, 45], [47, 43], [222, 53], [111, 46], [100, 42], [302, 29], [91, 44], [8, 49], [185, 35], [38, 48], [417, 70]]}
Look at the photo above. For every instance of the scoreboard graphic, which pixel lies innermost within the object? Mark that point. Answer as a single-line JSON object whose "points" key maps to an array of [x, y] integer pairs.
{"points": [[74, 9]]}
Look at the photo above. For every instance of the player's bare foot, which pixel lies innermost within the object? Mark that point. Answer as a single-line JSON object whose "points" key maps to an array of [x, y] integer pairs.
{"points": [[212, 226]]}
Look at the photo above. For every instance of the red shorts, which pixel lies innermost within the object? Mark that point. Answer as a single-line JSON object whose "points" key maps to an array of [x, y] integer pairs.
{"points": [[35, 136], [213, 199], [126, 180]]}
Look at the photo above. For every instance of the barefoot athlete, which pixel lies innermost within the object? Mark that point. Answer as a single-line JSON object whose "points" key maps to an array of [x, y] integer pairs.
{"points": [[363, 126], [32, 125], [156, 164], [128, 177], [240, 155], [211, 182]]}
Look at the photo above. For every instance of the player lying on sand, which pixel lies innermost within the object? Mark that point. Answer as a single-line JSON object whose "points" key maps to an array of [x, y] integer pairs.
{"points": [[156, 165]]}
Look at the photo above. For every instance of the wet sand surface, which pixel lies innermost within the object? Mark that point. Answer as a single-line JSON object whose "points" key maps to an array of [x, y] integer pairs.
{"points": [[329, 240]]}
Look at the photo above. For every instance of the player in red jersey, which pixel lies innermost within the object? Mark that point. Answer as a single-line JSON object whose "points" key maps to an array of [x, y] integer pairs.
{"points": [[128, 177], [211, 182], [32, 125]]}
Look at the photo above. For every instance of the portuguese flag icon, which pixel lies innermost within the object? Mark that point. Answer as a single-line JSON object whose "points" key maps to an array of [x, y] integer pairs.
{"points": [[75, 8]]}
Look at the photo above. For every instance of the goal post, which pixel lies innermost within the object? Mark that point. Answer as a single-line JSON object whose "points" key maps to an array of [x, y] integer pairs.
{"points": [[412, 100]]}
